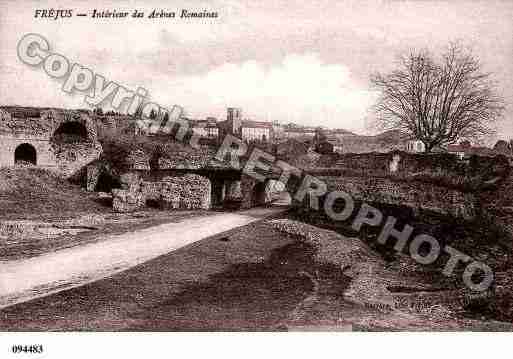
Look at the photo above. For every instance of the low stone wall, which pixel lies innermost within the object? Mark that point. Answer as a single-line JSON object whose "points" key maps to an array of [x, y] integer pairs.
{"points": [[414, 195], [181, 192], [437, 182], [191, 159], [185, 192], [443, 169]]}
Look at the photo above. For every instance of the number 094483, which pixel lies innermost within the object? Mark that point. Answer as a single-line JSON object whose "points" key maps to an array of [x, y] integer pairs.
{"points": [[34, 349]]}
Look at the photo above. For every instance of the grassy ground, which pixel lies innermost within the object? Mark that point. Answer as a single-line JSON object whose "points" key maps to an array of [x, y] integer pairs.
{"points": [[476, 239], [86, 228], [33, 193], [254, 278], [230, 282], [66, 214]]}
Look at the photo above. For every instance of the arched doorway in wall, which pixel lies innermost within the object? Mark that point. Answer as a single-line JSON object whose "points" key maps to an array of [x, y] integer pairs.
{"points": [[259, 194], [25, 154], [70, 132]]}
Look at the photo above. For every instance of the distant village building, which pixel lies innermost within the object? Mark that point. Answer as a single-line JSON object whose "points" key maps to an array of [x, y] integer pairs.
{"points": [[206, 128], [336, 143], [233, 121], [278, 130], [460, 150], [415, 146], [256, 131], [247, 130], [464, 150]]}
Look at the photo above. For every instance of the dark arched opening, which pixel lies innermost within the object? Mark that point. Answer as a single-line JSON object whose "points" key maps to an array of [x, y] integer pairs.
{"points": [[259, 195], [70, 132], [25, 154], [106, 183]]}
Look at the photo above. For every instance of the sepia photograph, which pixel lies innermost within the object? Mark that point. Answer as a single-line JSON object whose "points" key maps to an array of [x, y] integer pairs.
{"points": [[224, 170]]}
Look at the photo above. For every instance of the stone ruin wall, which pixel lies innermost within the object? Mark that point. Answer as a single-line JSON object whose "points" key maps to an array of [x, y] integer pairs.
{"points": [[395, 178], [442, 166], [415, 195], [61, 158], [437, 182], [190, 191]]}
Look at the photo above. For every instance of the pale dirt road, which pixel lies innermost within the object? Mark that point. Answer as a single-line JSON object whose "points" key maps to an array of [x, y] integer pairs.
{"points": [[26, 279]]}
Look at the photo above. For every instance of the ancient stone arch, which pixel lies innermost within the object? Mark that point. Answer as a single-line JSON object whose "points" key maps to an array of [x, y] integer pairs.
{"points": [[254, 193], [70, 132], [70, 120], [39, 128]]}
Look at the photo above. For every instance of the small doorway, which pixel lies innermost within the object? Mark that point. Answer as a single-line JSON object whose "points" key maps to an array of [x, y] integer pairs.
{"points": [[25, 154]]}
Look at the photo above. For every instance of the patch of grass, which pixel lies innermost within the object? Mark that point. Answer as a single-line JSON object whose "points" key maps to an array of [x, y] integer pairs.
{"points": [[34, 193], [21, 247]]}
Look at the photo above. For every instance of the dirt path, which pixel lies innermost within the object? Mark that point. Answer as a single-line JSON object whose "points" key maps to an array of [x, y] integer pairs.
{"points": [[27, 279]]}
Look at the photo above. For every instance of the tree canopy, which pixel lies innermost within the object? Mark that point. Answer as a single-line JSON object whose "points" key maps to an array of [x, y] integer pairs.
{"points": [[438, 100]]}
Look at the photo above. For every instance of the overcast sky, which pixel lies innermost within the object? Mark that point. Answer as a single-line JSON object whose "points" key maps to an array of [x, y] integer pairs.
{"points": [[306, 62]]}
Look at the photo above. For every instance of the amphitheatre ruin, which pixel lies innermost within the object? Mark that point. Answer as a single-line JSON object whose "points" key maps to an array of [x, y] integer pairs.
{"points": [[142, 178], [61, 140], [67, 143]]}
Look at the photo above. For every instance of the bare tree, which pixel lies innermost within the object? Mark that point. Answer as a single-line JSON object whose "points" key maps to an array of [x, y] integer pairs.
{"points": [[438, 102]]}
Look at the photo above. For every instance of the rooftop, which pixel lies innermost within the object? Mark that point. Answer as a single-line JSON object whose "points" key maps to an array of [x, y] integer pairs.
{"points": [[256, 124]]}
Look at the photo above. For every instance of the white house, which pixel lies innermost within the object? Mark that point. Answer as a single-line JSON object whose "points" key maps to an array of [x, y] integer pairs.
{"points": [[415, 146]]}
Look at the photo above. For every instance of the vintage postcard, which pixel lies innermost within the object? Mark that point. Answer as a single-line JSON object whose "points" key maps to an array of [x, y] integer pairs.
{"points": [[254, 166]]}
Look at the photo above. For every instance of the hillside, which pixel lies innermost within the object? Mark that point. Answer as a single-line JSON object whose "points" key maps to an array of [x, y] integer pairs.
{"points": [[383, 142], [38, 193]]}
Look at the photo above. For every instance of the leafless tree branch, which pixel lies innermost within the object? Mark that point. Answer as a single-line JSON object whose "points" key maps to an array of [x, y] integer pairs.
{"points": [[438, 102]]}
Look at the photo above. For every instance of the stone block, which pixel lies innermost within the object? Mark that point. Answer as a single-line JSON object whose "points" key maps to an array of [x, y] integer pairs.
{"points": [[131, 181], [126, 201], [93, 174]]}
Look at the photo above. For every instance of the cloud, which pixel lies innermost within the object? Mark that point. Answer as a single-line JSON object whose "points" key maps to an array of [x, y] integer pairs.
{"points": [[298, 63], [301, 88]]}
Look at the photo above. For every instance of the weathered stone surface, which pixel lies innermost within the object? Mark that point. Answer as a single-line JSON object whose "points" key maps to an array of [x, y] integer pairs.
{"points": [[186, 192], [193, 159], [127, 201], [233, 190], [170, 194], [40, 128], [93, 174], [254, 193], [138, 160], [187, 159], [131, 181], [152, 190], [416, 195], [130, 197], [181, 192]]}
